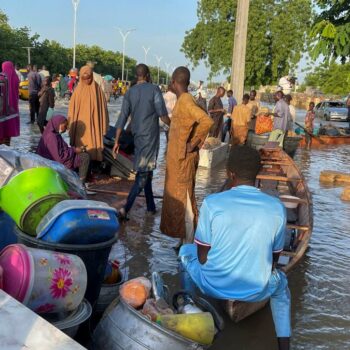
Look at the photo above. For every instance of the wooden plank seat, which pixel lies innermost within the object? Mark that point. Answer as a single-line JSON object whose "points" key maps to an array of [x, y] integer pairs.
{"points": [[276, 178]]}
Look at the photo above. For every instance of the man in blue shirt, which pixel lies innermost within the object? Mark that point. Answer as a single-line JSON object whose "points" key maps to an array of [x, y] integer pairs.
{"points": [[145, 105], [231, 105], [239, 237]]}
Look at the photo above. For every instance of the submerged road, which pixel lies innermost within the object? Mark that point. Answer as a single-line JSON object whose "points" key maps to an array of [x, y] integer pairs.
{"points": [[319, 285]]}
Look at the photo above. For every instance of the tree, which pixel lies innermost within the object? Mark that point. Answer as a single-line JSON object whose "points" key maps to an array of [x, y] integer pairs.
{"points": [[330, 79], [277, 37], [57, 58], [331, 30]]}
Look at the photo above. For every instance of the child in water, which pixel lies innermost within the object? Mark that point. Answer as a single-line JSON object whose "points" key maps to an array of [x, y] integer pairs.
{"points": [[309, 124]]}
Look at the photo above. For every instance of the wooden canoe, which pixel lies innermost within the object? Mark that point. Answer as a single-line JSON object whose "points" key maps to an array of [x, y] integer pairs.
{"points": [[290, 145], [324, 140], [280, 175]]}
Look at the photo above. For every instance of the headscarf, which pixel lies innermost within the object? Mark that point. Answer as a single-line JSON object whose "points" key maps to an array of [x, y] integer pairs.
{"points": [[88, 115], [13, 83], [53, 147]]}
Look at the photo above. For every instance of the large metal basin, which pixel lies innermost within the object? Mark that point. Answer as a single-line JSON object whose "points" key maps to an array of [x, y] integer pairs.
{"points": [[124, 328]]}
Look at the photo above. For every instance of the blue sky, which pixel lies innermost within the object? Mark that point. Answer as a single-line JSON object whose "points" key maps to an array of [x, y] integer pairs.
{"points": [[160, 24]]}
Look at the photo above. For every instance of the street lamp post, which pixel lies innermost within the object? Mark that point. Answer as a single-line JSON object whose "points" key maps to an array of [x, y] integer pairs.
{"points": [[124, 35], [158, 60], [146, 52], [167, 65], [75, 7]]}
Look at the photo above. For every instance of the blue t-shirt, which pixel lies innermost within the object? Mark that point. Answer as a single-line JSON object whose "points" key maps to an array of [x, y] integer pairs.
{"points": [[243, 226]]}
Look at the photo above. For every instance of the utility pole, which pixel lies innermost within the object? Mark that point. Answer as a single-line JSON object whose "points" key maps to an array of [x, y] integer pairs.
{"points": [[158, 60], [124, 35], [146, 49], [75, 7], [167, 65], [239, 49], [28, 50]]}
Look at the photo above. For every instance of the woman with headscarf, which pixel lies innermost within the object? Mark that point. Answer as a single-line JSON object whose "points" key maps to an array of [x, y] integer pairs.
{"points": [[53, 147], [88, 115], [9, 126]]}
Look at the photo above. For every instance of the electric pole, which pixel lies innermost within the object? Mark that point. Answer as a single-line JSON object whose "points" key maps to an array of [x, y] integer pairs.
{"points": [[28, 50], [239, 49]]}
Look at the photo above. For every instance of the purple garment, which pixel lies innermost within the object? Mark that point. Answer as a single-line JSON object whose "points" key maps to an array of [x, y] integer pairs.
{"points": [[10, 126], [13, 83], [53, 147]]}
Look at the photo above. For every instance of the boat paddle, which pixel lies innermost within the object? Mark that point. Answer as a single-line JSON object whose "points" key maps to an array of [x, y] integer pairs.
{"points": [[309, 133]]}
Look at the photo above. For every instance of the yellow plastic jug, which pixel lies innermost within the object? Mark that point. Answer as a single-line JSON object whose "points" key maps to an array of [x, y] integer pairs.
{"points": [[197, 327]]}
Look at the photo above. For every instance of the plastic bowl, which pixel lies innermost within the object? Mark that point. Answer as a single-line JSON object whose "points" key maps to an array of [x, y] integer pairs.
{"points": [[290, 202]]}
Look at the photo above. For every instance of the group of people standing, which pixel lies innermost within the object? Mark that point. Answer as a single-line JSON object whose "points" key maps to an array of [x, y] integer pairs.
{"points": [[221, 241]]}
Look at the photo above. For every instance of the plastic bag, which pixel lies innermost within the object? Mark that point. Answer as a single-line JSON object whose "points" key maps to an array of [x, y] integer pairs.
{"points": [[136, 291], [263, 124], [21, 161], [152, 309]]}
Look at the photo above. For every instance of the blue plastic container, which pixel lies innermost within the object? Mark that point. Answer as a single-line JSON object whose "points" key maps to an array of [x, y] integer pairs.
{"points": [[79, 222], [8, 230]]}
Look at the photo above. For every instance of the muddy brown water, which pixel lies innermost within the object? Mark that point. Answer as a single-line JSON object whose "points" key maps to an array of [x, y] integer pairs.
{"points": [[319, 284]]}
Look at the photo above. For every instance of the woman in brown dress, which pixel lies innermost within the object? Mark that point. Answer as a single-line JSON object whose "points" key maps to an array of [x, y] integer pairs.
{"points": [[88, 115], [188, 129]]}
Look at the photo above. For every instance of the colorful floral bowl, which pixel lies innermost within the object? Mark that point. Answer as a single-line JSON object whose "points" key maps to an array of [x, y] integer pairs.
{"points": [[43, 280]]}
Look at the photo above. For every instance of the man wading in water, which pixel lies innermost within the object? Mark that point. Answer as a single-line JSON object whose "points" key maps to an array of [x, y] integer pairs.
{"points": [[238, 241], [189, 128], [144, 103]]}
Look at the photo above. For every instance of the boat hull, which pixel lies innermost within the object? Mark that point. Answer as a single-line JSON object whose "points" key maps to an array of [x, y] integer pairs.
{"points": [[324, 140], [257, 142]]}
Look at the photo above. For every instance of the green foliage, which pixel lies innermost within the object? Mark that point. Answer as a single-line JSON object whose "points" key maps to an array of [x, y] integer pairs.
{"points": [[277, 36], [57, 58], [330, 79], [331, 31]]}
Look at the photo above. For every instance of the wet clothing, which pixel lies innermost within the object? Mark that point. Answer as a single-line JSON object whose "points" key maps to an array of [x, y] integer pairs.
{"points": [[241, 117], [143, 181], [145, 104], [240, 259], [282, 121], [10, 126], [88, 116], [218, 117], [276, 290], [189, 123], [53, 147]]}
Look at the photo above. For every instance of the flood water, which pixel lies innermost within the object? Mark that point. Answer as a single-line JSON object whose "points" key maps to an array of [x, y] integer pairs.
{"points": [[319, 284]]}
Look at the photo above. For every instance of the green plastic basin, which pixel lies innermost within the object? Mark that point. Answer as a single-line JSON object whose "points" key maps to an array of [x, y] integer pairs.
{"points": [[29, 195]]}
